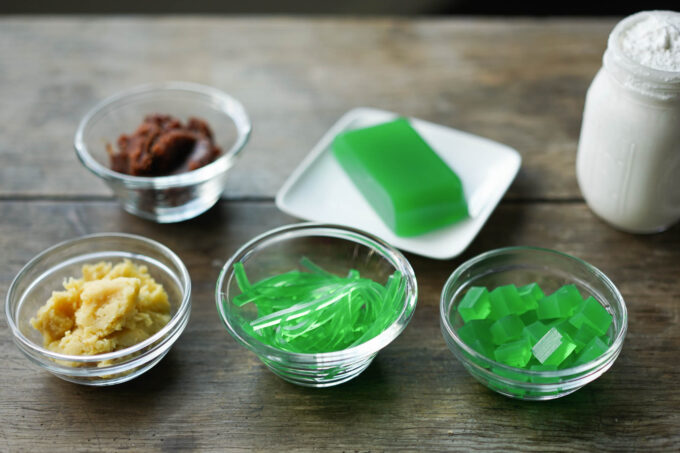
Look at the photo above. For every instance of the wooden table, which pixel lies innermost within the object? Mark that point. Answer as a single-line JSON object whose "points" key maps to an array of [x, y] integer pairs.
{"points": [[520, 82]]}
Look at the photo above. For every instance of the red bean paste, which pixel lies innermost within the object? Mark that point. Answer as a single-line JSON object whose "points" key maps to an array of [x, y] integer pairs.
{"points": [[162, 145]]}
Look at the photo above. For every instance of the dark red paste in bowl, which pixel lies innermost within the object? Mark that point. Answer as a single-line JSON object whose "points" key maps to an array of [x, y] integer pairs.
{"points": [[162, 145]]}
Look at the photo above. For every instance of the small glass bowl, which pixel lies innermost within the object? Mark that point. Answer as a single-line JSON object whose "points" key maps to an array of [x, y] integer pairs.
{"points": [[173, 198], [551, 270], [33, 286], [337, 249]]}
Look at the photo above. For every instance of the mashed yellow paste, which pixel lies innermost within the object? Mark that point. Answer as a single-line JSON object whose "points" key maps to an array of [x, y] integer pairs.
{"points": [[109, 308]]}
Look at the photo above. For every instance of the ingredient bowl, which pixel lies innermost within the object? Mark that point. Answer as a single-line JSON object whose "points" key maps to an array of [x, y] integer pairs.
{"points": [[551, 270], [338, 251], [45, 273], [176, 197]]}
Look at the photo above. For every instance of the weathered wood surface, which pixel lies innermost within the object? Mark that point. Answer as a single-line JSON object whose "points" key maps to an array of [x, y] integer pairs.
{"points": [[520, 82]]}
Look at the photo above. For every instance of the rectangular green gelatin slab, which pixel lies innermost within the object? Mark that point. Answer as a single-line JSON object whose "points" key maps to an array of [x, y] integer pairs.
{"points": [[408, 185]]}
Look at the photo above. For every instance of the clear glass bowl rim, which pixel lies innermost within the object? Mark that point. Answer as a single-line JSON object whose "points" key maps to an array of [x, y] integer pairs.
{"points": [[229, 105], [565, 373], [177, 318], [307, 229]]}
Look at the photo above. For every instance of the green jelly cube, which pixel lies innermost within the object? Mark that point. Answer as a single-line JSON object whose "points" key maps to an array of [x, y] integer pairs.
{"points": [[529, 317], [582, 335], [478, 329], [594, 349], [542, 379], [510, 374], [483, 347], [531, 294], [553, 348], [592, 313], [406, 182], [516, 353], [560, 304], [505, 300], [508, 328], [535, 331], [475, 304]]}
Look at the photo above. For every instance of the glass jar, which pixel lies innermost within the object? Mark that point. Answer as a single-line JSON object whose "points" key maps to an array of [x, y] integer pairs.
{"points": [[628, 163]]}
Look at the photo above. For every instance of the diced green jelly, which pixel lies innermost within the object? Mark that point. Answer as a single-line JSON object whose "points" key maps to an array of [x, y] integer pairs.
{"points": [[582, 336], [592, 313], [515, 353], [594, 349], [408, 185], [541, 379], [531, 294], [508, 328], [535, 331], [553, 348], [477, 329], [510, 374], [560, 304], [529, 317], [505, 300], [483, 347], [475, 304]]}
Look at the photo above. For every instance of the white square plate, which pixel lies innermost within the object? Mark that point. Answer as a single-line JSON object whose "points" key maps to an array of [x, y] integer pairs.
{"points": [[321, 191]]}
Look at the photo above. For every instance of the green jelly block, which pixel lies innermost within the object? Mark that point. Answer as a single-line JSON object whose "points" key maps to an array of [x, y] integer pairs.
{"points": [[535, 331], [553, 348], [560, 304], [506, 329], [594, 349], [483, 347], [478, 329], [510, 374], [592, 313], [505, 300], [475, 304], [516, 353], [408, 185], [531, 294], [529, 317], [542, 379], [582, 335]]}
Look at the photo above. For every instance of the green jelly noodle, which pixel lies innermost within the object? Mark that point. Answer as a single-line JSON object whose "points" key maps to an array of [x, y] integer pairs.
{"points": [[525, 328], [316, 311]]}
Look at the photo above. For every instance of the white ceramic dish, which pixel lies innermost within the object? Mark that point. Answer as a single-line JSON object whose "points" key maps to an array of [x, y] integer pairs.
{"points": [[321, 191]]}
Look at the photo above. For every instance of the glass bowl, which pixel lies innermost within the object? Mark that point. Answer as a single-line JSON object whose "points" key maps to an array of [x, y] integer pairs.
{"points": [[336, 249], [173, 198], [45, 273], [551, 270]]}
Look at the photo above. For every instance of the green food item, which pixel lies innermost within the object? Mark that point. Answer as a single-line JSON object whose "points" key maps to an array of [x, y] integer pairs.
{"points": [[592, 314], [594, 349], [475, 304], [506, 329], [541, 379], [535, 331], [555, 334], [515, 353], [530, 295], [560, 304], [505, 300], [408, 185], [317, 311], [553, 348]]}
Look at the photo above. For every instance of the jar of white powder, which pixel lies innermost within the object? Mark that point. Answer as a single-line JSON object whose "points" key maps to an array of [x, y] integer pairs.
{"points": [[628, 163]]}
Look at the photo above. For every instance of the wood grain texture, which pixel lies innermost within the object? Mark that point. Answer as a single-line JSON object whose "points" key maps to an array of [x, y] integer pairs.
{"points": [[210, 394], [520, 82]]}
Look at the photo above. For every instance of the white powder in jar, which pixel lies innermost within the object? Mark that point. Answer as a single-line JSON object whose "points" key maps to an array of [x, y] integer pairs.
{"points": [[654, 41]]}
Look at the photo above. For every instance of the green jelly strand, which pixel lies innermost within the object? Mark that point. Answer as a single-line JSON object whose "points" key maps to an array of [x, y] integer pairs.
{"points": [[317, 311]]}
